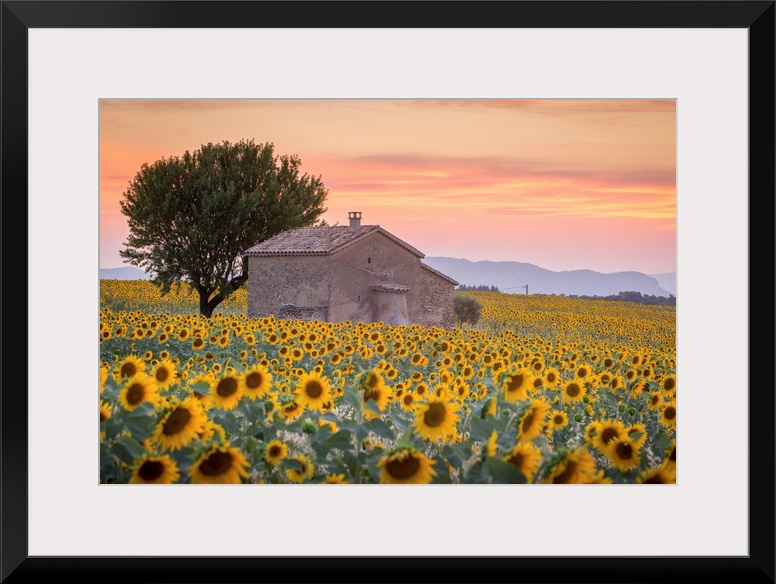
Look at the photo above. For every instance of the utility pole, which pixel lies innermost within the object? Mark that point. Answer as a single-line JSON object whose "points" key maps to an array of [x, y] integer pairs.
{"points": [[523, 286]]}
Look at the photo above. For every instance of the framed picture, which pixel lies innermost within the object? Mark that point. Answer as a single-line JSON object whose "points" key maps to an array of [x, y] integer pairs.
{"points": [[713, 59]]}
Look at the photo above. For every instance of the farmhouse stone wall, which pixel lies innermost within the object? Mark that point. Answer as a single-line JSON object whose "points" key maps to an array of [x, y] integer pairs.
{"points": [[389, 303], [374, 260], [373, 279], [436, 300], [299, 281]]}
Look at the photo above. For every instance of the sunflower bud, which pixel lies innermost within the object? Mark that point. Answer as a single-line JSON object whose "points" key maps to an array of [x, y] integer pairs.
{"points": [[308, 427], [578, 418]]}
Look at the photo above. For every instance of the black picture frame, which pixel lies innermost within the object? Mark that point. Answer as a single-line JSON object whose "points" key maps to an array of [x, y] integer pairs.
{"points": [[756, 16]]}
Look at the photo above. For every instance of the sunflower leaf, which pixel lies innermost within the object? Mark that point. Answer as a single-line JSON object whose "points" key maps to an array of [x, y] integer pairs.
{"points": [[380, 428], [481, 429], [140, 427], [141, 411], [662, 441], [135, 449], [342, 439], [504, 472], [372, 406]]}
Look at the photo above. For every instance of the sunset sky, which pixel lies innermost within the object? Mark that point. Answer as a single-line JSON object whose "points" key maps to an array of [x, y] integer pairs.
{"points": [[562, 184]]}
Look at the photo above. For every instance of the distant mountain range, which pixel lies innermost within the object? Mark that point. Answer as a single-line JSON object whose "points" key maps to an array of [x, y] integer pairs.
{"points": [[128, 273], [513, 277]]}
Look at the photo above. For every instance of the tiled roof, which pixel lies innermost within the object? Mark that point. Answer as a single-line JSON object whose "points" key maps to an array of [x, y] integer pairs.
{"points": [[393, 288], [438, 273], [322, 240]]}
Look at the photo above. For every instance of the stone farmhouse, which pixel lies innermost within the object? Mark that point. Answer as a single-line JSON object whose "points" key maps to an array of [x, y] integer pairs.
{"points": [[346, 273]]}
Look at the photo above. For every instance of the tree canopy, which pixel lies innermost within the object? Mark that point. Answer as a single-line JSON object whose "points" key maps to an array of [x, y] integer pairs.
{"points": [[191, 217]]}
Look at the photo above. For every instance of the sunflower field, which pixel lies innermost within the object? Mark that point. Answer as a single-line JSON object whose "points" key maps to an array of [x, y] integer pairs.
{"points": [[542, 390]]}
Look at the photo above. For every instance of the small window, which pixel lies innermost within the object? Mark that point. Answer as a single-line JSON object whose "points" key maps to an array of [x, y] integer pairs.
{"points": [[369, 260]]}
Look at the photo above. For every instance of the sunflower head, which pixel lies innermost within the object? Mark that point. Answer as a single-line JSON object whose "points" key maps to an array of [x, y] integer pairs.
{"points": [[275, 452], [164, 374], [256, 381], [226, 391], [436, 418], [137, 390], [220, 464], [130, 366], [515, 382], [406, 465], [574, 466], [303, 470], [623, 453], [313, 390], [155, 470]]}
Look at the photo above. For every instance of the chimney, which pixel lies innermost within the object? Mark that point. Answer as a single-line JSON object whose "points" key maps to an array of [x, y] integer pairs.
{"points": [[355, 219]]}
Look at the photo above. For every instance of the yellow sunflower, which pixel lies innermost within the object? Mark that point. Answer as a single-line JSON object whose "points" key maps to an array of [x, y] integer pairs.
{"points": [[608, 430], [491, 446], [558, 419], [290, 411], [657, 476], [515, 383], [155, 470], [374, 389], [668, 414], [335, 479], [669, 462], [220, 464], [164, 374], [137, 390], [180, 425], [226, 391], [655, 401], [256, 381], [104, 411], [104, 372], [406, 466], [668, 384], [313, 390], [130, 366], [407, 401], [592, 430], [530, 424], [623, 453], [525, 456], [212, 430], [638, 433], [275, 452], [305, 472], [574, 390], [600, 478], [577, 466], [436, 418]]}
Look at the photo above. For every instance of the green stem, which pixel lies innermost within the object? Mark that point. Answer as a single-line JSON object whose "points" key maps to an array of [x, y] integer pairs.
{"points": [[360, 421]]}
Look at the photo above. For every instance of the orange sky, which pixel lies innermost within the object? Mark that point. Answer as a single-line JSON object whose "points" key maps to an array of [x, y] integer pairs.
{"points": [[562, 184]]}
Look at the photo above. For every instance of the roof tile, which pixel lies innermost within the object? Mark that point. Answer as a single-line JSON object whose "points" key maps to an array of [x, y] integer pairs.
{"points": [[320, 240]]}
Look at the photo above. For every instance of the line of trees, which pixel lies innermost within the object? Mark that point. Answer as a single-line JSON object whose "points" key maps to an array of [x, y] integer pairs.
{"points": [[477, 288], [632, 296]]}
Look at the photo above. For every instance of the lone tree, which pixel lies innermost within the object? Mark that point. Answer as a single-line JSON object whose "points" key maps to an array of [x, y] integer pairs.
{"points": [[466, 309], [191, 217]]}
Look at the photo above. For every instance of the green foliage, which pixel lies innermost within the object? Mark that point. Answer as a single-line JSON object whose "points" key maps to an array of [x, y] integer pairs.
{"points": [[477, 288], [191, 217], [467, 309]]}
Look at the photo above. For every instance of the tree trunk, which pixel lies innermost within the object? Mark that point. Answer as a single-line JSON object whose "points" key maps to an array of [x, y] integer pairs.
{"points": [[205, 309]]}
